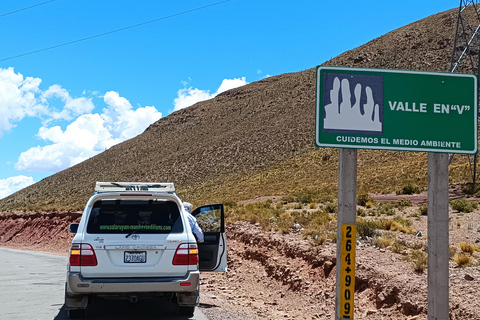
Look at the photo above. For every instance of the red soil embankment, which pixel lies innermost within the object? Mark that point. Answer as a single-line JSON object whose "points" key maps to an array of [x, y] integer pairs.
{"points": [[41, 231]]}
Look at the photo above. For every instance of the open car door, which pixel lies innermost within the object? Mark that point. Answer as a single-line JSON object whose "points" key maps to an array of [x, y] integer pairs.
{"points": [[213, 251]]}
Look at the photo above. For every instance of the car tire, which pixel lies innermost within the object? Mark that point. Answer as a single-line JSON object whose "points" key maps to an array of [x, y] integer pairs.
{"points": [[76, 313], [186, 311]]}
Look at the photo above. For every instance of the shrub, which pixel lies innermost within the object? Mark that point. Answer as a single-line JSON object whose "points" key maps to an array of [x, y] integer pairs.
{"points": [[419, 260], [407, 230], [410, 189], [361, 212], [393, 225], [403, 203], [302, 217], [388, 224], [387, 208], [368, 228], [463, 260], [331, 207], [363, 198], [397, 247], [319, 227], [321, 217], [304, 197], [284, 222], [417, 245], [381, 242], [414, 215], [230, 204], [260, 205], [314, 195], [404, 222], [467, 248], [423, 209], [470, 188], [313, 205], [462, 205], [288, 199]]}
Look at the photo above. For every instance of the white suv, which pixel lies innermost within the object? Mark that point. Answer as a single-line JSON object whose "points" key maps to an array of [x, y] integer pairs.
{"points": [[134, 242]]}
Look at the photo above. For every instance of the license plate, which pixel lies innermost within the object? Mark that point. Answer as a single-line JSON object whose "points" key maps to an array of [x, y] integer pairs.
{"points": [[135, 257]]}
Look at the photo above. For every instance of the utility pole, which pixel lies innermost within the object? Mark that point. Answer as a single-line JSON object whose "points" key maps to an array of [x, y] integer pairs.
{"points": [[466, 51]]}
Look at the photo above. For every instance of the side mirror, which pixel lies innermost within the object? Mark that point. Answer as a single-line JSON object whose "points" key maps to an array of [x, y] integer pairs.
{"points": [[73, 227]]}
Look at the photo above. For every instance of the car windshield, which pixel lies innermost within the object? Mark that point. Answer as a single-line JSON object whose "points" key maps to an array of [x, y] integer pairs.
{"points": [[134, 216]]}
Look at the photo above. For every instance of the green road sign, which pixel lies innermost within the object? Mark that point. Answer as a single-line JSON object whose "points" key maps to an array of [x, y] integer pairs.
{"points": [[396, 110]]}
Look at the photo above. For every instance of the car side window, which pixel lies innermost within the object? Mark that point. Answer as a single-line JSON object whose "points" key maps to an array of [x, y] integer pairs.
{"points": [[209, 219]]}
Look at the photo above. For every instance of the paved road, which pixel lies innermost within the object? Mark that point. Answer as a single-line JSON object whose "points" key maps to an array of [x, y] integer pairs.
{"points": [[32, 287]]}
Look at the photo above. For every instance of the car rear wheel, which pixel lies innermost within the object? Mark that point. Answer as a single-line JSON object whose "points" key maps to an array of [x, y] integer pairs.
{"points": [[186, 311], [76, 313]]}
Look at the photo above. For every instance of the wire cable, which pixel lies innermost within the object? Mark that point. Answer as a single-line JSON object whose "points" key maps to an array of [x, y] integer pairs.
{"points": [[26, 8], [115, 31]]}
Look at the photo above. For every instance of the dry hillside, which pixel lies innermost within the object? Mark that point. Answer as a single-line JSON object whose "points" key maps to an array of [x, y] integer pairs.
{"points": [[257, 139]]}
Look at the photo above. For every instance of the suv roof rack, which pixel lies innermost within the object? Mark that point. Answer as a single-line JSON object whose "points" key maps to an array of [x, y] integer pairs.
{"points": [[135, 186]]}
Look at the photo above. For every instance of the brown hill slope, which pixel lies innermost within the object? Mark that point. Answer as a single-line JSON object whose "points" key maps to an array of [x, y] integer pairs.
{"points": [[257, 139]]}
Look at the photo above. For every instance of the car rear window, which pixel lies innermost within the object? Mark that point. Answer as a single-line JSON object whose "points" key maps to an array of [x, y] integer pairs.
{"points": [[127, 216]]}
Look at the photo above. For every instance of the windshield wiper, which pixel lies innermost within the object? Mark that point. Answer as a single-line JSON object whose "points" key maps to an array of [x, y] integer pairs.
{"points": [[134, 231]]}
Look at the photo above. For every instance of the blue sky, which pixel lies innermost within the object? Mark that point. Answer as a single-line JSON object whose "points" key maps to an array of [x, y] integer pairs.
{"points": [[61, 106]]}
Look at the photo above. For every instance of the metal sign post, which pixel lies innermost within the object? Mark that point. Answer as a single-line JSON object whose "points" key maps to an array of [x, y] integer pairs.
{"points": [[438, 243]]}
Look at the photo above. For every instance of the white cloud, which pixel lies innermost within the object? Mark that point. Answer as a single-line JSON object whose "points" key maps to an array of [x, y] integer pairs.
{"points": [[187, 97], [72, 107], [87, 136], [87, 133], [21, 97], [13, 184], [228, 84], [122, 121], [17, 98]]}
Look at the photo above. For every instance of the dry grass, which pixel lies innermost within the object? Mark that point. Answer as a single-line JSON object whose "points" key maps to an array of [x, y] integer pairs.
{"points": [[368, 228], [423, 209], [382, 243], [462, 205], [397, 247], [463, 260], [468, 248], [419, 260], [394, 225], [316, 225]]}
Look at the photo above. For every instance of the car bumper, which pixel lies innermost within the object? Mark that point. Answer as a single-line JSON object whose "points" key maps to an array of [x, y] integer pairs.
{"points": [[77, 284]]}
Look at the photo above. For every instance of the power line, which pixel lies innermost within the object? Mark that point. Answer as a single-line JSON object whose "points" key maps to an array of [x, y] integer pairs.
{"points": [[114, 31], [26, 8]]}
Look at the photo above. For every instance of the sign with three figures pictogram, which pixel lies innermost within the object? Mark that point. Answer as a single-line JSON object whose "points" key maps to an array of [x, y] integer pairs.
{"points": [[396, 110]]}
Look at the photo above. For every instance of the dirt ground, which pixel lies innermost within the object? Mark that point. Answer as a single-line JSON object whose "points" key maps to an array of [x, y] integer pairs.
{"points": [[282, 276]]}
